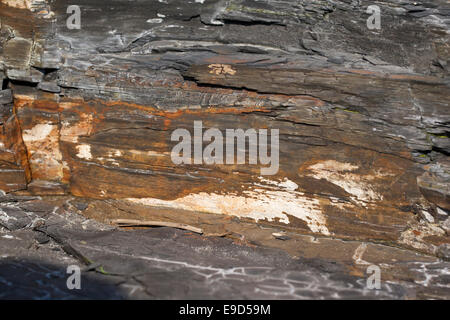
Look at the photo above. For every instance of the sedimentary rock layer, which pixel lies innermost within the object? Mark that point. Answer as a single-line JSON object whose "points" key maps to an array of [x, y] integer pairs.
{"points": [[363, 115]]}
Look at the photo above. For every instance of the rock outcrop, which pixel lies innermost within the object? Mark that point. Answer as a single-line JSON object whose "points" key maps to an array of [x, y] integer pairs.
{"points": [[363, 115]]}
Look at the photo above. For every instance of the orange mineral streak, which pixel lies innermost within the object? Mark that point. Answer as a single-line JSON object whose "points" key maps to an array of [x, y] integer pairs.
{"points": [[49, 105], [45, 158], [13, 141], [180, 112], [414, 78], [167, 123]]}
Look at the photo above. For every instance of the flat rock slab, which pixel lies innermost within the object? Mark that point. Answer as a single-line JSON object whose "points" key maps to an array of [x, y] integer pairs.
{"points": [[175, 264], [167, 263], [362, 114], [170, 264]]}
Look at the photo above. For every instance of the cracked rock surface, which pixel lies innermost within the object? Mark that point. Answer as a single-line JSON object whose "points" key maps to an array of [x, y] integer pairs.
{"points": [[87, 114], [166, 263]]}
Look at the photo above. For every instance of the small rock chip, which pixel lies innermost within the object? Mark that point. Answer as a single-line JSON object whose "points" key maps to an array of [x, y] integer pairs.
{"points": [[336, 60], [13, 219], [80, 205], [41, 238], [443, 251], [427, 216], [49, 86], [280, 236], [441, 212], [446, 226], [37, 223]]}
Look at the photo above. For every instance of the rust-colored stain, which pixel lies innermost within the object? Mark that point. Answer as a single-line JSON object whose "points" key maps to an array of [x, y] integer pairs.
{"points": [[12, 139], [414, 78], [48, 105], [167, 124], [180, 112], [45, 102]]}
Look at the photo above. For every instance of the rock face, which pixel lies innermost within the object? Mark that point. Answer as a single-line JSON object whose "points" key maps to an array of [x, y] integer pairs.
{"points": [[41, 238], [363, 114]]}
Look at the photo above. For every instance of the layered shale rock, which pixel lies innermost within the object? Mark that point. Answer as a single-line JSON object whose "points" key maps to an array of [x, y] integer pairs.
{"points": [[40, 237], [363, 115]]}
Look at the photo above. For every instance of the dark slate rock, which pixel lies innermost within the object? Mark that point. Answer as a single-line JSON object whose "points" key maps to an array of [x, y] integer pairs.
{"points": [[13, 218], [49, 86], [41, 238], [444, 251]]}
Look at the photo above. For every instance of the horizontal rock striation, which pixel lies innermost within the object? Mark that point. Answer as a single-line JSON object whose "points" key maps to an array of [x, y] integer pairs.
{"points": [[363, 115]]}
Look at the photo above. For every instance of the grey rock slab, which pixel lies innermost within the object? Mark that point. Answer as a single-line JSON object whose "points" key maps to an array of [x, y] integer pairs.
{"points": [[49, 86], [13, 218], [444, 251], [166, 263], [446, 226], [214, 268], [28, 75], [34, 279]]}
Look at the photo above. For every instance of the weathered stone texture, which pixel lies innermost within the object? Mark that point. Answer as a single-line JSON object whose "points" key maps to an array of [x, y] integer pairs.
{"points": [[363, 114]]}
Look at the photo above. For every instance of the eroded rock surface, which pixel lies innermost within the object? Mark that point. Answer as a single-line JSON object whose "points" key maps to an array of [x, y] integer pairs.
{"points": [[173, 264], [363, 115]]}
